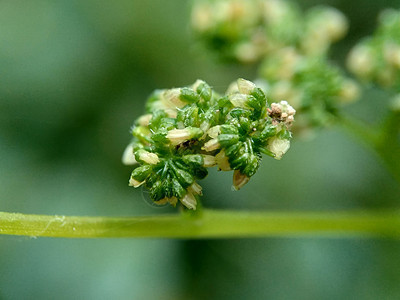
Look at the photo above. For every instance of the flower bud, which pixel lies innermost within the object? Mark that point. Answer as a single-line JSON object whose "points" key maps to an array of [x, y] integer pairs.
{"points": [[391, 53], [202, 17], [193, 160], [336, 24], [188, 95], [349, 91], [141, 133], [203, 89], [361, 60], [141, 173]]}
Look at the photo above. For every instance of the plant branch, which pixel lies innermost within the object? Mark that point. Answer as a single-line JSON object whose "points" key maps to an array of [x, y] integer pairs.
{"points": [[207, 224], [383, 141]]}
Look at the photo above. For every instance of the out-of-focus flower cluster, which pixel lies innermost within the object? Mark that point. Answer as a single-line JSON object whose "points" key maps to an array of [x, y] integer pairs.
{"points": [[247, 30], [377, 58], [187, 130], [292, 47], [313, 86]]}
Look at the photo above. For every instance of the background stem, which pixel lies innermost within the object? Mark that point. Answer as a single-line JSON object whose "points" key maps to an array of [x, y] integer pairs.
{"points": [[207, 224], [382, 140]]}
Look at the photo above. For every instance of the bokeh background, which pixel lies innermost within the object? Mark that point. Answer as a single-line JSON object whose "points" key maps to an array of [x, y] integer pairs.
{"points": [[73, 77]]}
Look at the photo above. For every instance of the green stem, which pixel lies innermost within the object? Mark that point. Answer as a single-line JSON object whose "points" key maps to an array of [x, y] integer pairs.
{"points": [[207, 224], [383, 141]]}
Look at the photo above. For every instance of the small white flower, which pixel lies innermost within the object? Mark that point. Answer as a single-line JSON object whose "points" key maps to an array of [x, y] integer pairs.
{"points": [[282, 112], [178, 136], [170, 98], [209, 160], [128, 158], [145, 120], [133, 182], [195, 189], [349, 91], [239, 180], [211, 145], [214, 131], [392, 54], [239, 100], [278, 146], [202, 17], [335, 23], [245, 86], [361, 60], [189, 201], [148, 157], [172, 201], [222, 161]]}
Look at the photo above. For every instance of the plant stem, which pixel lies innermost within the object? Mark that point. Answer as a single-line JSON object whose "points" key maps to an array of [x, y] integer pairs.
{"points": [[207, 224], [383, 141]]}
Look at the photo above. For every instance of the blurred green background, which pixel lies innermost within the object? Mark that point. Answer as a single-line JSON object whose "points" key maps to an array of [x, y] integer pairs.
{"points": [[74, 76]]}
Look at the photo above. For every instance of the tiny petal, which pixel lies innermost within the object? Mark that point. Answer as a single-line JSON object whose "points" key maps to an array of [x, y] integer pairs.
{"points": [[278, 146], [214, 131], [145, 120], [392, 53], [172, 201], [133, 182], [361, 60], [189, 201], [239, 180], [336, 24], [209, 160], [222, 161], [128, 158], [211, 145], [148, 157], [239, 100], [349, 92], [195, 189], [245, 86], [170, 98], [178, 136]]}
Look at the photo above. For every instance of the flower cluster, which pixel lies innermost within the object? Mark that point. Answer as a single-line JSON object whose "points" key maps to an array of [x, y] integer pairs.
{"points": [[247, 30], [377, 58], [187, 130], [314, 87], [292, 47]]}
